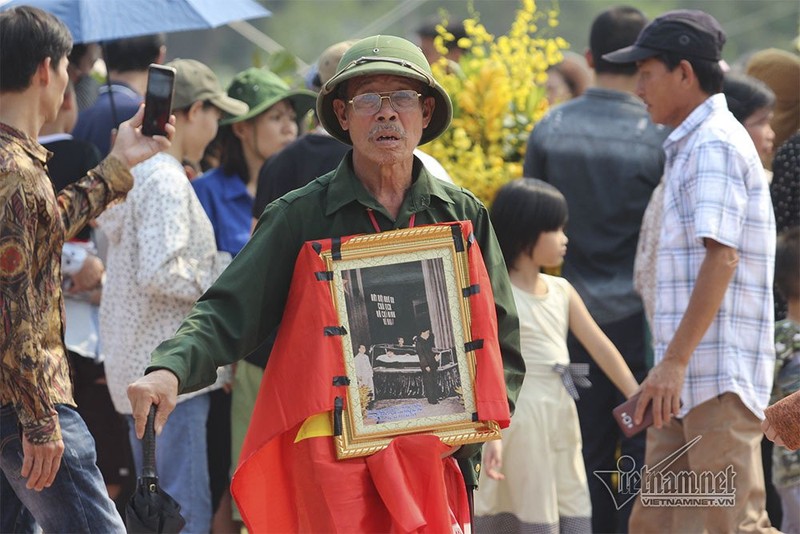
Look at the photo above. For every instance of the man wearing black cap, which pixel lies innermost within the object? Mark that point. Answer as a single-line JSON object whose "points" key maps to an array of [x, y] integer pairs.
{"points": [[713, 322]]}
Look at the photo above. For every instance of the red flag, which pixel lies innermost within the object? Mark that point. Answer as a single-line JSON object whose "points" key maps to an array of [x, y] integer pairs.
{"points": [[283, 485]]}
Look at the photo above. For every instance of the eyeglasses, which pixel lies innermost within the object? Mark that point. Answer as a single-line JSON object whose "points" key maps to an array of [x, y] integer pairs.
{"points": [[370, 103]]}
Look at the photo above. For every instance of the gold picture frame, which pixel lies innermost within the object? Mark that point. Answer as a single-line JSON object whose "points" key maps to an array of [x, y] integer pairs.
{"points": [[402, 297]]}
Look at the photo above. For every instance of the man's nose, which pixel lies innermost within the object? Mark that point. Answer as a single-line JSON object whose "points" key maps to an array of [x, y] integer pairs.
{"points": [[386, 111]]}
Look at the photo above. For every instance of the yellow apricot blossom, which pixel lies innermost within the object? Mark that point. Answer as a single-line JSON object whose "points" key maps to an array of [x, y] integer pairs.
{"points": [[498, 95]]}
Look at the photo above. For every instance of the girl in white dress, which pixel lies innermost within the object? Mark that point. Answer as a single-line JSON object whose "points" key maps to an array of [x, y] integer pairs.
{"points": [[534, 480]]}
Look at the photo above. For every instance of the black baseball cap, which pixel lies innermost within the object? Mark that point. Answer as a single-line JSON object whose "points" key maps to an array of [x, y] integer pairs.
{"points": [[686, 32]]}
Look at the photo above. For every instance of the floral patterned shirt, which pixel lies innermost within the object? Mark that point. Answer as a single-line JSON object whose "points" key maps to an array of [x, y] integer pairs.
{"points": [[786, 463], [34, 223]]}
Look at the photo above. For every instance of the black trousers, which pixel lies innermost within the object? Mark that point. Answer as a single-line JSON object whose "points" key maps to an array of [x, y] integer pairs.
{"points": [[430, 386], [603, 442]]}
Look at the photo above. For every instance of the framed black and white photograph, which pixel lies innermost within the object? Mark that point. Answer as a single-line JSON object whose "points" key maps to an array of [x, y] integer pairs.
{"points": [[400, 297]]}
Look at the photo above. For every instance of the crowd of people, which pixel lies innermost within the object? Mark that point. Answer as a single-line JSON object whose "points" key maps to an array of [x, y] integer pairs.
{"points": [[168, 271]]}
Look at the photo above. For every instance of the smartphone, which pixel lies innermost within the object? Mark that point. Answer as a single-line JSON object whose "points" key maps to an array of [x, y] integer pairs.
{"points": [[158, 99], [624, 416]]}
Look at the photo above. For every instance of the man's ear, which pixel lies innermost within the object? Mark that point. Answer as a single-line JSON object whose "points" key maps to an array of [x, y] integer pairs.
{"points": [[589, 58], [688, 75], [428, 105], [43, 73], [340, 109]]}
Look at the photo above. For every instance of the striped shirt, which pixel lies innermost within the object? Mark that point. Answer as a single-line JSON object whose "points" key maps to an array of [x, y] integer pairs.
{"points": [[714, 188]]}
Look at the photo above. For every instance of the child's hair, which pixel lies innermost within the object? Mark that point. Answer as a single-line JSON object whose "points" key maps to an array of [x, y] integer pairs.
{"points": [[521, 211], [745, 95], [787, 263]]}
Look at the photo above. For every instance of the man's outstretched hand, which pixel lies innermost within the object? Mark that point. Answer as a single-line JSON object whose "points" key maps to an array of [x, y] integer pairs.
{"points": [[132, 147]]}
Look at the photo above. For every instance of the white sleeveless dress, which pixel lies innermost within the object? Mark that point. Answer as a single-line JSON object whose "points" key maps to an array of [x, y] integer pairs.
{"points": [[545, 489]]}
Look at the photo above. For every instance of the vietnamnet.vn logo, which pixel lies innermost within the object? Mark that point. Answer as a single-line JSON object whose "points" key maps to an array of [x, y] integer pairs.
{"points": [[661, 486]]}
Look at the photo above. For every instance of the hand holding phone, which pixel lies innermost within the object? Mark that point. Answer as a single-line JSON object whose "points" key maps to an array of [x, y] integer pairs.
{"points": [[158, 99], [131, 146], [623, 414]]}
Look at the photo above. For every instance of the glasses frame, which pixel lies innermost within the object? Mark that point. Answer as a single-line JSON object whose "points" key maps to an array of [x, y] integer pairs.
{"points": [[384, 95]]}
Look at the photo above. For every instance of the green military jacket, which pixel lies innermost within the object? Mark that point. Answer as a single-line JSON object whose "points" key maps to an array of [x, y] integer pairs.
{"points": [[246, 303]]}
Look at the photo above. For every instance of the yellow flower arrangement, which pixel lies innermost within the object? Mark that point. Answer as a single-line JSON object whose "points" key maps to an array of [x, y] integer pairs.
{"points": [[497, 89]]}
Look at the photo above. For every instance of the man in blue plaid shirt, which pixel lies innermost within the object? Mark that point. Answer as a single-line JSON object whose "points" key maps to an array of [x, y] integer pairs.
{"points": [[713, 322]]}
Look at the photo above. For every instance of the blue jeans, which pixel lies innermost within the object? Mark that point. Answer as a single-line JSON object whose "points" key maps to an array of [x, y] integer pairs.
{"points": [[181, 461], [76, 502]]}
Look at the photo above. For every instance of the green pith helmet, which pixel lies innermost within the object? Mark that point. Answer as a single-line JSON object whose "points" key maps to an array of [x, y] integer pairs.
{"points": [[384, 54], [260, 89]]}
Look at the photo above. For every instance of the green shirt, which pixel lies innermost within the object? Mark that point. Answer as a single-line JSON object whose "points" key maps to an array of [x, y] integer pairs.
{"points": [[246, 303]]}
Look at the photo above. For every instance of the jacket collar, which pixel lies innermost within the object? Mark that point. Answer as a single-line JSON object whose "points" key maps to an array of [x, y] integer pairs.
{"points": [[346, 188], [613, 94], [714, 104], [31, 146]]}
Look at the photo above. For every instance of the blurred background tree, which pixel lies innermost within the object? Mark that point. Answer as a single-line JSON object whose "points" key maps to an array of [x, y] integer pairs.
{"points": [[497, 90], [305, 27]]}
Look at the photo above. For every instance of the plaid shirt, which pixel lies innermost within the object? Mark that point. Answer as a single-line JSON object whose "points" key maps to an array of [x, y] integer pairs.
{"points": [[714, 187], [34, 374]]}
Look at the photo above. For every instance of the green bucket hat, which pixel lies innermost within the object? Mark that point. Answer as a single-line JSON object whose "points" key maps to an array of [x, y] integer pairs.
{"points": [[260, 89], [384, 54]]}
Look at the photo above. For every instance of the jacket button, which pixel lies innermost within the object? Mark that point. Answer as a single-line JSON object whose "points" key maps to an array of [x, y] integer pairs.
{"points": [[477, 468]]}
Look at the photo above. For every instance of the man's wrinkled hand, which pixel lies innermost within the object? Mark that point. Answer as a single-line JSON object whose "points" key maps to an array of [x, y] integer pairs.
{"points": [[662, 387], [160, 388], [40, 462], [132, 147]]}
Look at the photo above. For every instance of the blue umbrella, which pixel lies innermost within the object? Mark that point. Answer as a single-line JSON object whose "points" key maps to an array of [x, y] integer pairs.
{"points": [[103, 20]]}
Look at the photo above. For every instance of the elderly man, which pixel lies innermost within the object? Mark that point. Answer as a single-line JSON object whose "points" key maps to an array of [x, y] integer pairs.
{"points": [[383, 101]]}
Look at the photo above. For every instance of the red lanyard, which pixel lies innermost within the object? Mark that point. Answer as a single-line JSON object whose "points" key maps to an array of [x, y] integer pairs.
{"points": [[378, 228]]}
